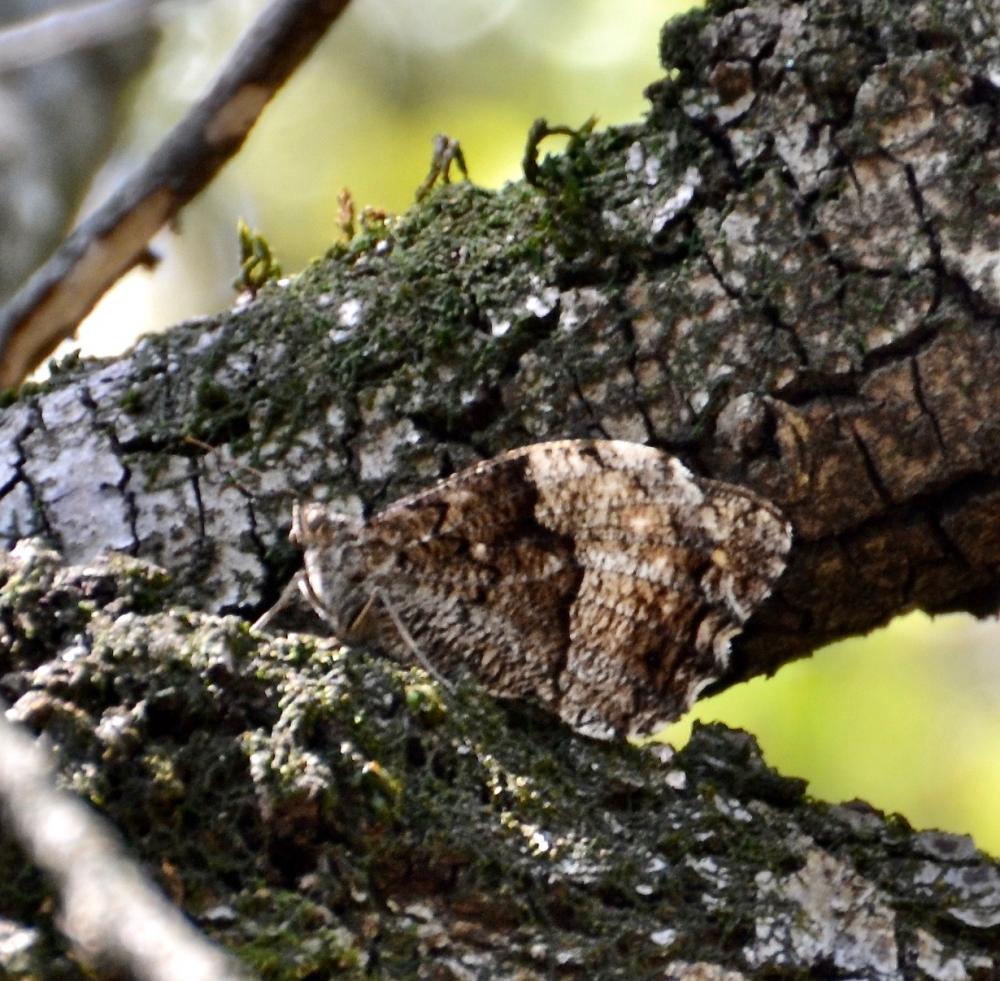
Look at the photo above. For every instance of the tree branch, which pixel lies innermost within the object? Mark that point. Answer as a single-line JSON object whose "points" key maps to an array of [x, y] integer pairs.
{"points": [[69, 29], [110, 910], [813, 323], [326, 813], [112, 240], [787, 276]]}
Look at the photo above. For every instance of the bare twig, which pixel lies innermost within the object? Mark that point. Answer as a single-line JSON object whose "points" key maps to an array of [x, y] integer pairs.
{"points": [[84, 25], [111, 911], [50, 306]]}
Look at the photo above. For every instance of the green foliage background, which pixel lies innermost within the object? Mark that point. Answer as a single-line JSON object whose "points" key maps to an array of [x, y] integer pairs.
{"points": [[909, 718]]}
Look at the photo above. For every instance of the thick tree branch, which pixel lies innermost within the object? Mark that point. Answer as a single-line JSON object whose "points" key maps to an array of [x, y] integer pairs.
{"points": [[786, 295], [326, 813], [114, 239], [788, 275]]}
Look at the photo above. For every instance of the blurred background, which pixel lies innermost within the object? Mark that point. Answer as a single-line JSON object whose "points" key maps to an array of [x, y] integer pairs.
{"points": [[907, 719]]}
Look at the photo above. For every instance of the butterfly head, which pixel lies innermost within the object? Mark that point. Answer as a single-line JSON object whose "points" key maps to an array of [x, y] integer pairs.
{"points": [[335, 567]]}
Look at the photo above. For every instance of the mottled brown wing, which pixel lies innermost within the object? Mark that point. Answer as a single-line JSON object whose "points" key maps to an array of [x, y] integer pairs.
{"points": [[599, 578], [477, 580], [672, 566]]}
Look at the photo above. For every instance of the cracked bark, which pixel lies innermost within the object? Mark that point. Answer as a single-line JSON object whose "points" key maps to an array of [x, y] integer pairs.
{"points": [[789, 275]]}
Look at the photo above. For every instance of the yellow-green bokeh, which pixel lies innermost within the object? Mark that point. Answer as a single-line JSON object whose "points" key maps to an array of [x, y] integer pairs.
{"points": [[907, 719]]}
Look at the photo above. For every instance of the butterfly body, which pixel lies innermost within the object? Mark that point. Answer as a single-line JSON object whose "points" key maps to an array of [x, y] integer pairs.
{"points": [[598, 578]]}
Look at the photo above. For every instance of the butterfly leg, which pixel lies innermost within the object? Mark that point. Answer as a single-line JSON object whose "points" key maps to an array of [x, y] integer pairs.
{"points": [[282, 603]]}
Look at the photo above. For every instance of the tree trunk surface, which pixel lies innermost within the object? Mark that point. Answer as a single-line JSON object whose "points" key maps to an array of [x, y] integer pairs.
{"points": [[788, 275]]}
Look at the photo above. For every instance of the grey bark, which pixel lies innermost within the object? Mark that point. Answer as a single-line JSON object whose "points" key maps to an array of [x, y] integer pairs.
{"points": [[788, 275]]}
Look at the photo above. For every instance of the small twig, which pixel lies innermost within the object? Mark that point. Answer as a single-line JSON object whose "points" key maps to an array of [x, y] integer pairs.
{"points": [[85, 25], [346, 214], [110, 909], [109, 243], [292, 589]]}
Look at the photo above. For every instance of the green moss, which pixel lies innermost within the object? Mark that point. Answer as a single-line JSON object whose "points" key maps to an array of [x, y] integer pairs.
{"points": [[69, 364], [30, 388], [293, 937], [424, 701], [212, 397], [258, 264], [681, 49]]}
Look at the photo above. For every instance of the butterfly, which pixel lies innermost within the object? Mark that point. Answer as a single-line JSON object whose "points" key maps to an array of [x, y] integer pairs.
{"points": [[599, 579]]}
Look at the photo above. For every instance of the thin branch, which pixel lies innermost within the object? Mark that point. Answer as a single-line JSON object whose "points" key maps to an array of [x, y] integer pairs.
{"points": [[51, 305], [84, 25], [111, 911]]}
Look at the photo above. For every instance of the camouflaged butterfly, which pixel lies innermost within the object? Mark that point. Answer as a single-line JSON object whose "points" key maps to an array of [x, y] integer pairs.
{"points": [[600, 579]]}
